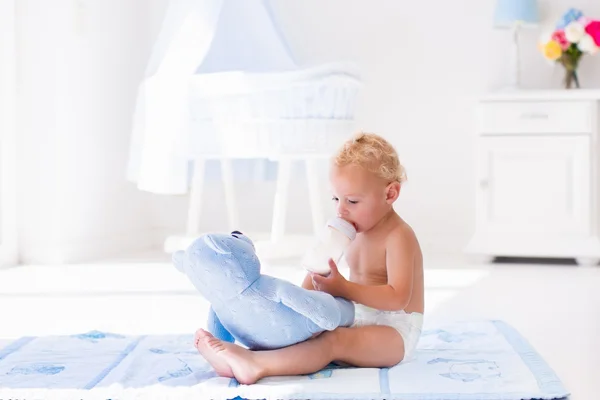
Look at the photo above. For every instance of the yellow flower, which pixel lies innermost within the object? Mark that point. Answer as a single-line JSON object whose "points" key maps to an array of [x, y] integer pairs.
{"points": [[551, 50]]}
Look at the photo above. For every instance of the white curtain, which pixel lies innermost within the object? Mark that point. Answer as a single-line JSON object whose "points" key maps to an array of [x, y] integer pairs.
{"points": [[197, 36]]}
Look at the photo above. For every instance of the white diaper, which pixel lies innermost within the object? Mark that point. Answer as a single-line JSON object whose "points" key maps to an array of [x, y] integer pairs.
{"points": [[408, 325]]}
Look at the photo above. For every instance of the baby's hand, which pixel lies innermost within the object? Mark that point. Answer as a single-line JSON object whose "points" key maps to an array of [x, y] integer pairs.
{"points": [[334, 283]]}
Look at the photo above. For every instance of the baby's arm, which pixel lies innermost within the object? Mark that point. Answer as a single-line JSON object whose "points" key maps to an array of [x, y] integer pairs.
{"points": [[400, 258]]}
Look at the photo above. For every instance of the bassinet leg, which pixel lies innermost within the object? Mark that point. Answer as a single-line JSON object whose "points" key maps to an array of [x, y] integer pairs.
{"points": [[312, 178], [280, 206], [232, 215], [195, 205]]}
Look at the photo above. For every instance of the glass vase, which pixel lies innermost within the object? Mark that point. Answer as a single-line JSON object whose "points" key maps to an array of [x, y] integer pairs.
{"points": [[569, 60], [570, 79]]}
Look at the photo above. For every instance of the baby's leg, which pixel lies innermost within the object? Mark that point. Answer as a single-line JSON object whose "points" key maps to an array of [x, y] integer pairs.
{"points": [[366, 346], [369, 346]]}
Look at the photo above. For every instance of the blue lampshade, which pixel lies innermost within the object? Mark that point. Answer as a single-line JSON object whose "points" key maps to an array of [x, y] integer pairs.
{"points": [[509, 12]]}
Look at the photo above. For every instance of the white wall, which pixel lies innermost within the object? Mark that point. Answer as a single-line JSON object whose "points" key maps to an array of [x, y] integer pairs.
{"points": [[79, 65], [424, 63], [8, 91]]}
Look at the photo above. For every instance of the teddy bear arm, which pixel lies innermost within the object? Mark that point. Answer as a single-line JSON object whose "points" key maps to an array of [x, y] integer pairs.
{"points": [[320, 308]]}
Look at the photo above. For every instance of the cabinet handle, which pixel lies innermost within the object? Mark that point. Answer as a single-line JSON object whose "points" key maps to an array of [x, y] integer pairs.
{"points": [[534, 115]]}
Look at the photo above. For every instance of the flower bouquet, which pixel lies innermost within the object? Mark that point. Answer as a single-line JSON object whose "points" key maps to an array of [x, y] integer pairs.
{"points": [[574, 36]]}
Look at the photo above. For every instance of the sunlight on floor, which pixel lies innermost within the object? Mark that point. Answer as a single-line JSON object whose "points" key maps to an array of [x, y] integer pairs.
{"points": [[137, 298], [442, 285]]}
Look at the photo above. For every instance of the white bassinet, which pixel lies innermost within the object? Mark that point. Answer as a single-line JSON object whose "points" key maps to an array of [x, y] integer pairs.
{"points": [[300, 113], [188, 113]]}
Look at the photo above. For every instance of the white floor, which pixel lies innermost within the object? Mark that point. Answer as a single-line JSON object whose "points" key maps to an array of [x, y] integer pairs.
{"points": [[557, 308]]}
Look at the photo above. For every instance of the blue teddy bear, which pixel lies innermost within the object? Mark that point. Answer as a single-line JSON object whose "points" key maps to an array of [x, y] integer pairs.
{"points": [[259, 311]]}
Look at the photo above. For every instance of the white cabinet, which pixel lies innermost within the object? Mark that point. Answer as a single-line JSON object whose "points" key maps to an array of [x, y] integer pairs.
{"points": [[536, 176]]}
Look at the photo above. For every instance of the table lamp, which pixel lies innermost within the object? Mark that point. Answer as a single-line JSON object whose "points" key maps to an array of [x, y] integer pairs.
{"points": [[514, 14]]}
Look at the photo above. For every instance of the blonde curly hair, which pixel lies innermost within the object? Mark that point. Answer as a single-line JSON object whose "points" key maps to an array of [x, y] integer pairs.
{"points": [[373, 153]]}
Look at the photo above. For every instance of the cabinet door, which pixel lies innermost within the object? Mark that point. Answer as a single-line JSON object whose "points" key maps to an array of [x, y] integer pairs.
{"points": [[534, 185]]}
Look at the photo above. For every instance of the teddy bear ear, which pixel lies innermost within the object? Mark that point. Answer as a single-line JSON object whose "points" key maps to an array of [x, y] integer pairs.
{"points": [[177, 259]]}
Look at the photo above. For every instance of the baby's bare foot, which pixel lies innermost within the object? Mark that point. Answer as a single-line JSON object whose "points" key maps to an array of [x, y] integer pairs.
{"points": [[228, 359], [209, 347]]}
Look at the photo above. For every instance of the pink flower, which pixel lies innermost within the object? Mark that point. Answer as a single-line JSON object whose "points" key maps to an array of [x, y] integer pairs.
{"points": [[593, 29], [560, 38]]}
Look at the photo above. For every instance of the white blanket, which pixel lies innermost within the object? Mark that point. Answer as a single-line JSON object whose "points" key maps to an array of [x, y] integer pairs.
{"points": [[466, 360]]}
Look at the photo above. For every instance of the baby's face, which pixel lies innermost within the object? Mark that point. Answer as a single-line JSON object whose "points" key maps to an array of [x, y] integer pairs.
{"points": [[359, 196]]}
